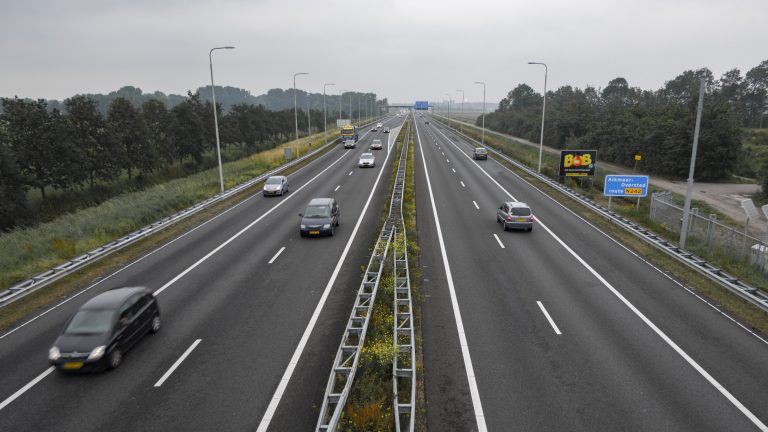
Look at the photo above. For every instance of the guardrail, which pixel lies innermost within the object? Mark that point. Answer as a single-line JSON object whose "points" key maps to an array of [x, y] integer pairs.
{"points": [[43, 279], [347, 356], [749, 293]]}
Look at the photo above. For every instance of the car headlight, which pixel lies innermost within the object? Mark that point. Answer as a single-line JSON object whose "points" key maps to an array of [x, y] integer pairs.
{"points": [[97, 353], [303, 226], [326, 226], [53, 353]]}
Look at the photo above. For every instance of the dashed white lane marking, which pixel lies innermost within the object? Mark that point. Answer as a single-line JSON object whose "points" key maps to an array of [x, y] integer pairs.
{"points": [[498, 240], [276, 255], [178, 362], [549, 318]]}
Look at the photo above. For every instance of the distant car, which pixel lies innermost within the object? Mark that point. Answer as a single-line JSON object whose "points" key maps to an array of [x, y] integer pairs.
{"points": [[378, 125], [374, 130], [367, 160], [386, 130], [104, 329], [480, 153], [349, 144], [276, 185], [320, 217], [426, 121], [515, 215], [376, 144]]}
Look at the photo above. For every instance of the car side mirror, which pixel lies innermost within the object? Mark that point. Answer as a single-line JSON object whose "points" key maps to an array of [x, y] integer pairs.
{"points": [[301, 215]]}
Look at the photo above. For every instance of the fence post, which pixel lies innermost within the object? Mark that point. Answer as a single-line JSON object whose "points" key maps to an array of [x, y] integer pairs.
{"points": [[711, 228]]}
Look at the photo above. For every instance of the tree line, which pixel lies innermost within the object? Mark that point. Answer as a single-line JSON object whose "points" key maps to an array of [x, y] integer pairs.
{"points": [[621, 121], [78, 147]]}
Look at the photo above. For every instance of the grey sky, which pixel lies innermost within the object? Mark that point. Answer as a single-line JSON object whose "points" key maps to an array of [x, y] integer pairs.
{"points": [[400, 49]]}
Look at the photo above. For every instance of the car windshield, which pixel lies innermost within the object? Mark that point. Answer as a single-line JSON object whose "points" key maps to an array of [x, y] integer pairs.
{"points": [[90, 321], [377, 141], [317, 212], [480, 150], [520, 211], [367, 156], [274, 181]]}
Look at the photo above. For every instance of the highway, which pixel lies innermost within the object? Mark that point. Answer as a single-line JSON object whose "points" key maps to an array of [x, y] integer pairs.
{"points": [[561, 328], [252, 315]]}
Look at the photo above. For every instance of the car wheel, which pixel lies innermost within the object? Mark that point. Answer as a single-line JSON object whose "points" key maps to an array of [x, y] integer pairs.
{"points": [[504, 224], [155, 324], [115, 359], [331, 230], [530, 229]]}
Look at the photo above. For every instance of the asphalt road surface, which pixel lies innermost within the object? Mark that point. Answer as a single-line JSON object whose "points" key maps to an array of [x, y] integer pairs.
{"points": [[250, 327], [562, 328]]}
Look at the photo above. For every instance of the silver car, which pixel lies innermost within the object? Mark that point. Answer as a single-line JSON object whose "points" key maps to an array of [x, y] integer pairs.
{"points": [[366, 160], [515, 215], [376, 144], [276, 185]]}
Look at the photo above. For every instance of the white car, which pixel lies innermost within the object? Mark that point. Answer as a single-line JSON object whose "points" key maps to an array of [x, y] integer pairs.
{"points": [[366, 160], [276, 185], [378, 126], [376, 144]]}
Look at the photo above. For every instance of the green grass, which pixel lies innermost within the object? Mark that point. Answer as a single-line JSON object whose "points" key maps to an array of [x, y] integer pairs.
{"points": [[369, 406], [26, 252]]}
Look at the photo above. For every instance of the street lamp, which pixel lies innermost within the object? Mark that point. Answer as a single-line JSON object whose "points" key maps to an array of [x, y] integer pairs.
{"points": [[543, 111], [449, 109], [296, 110], [483, 134], [215, 115], [325, 114]]}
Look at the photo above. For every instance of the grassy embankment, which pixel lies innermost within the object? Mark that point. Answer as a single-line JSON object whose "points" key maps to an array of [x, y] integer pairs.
{"points": [[627, 208], [369, 406], [24, 253]]}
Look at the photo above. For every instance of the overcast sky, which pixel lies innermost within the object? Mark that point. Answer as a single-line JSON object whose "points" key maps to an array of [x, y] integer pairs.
{"points": [[403, 50]]}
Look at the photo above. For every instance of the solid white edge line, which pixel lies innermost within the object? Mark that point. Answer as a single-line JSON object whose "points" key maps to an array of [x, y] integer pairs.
{"points": [[549, 318], [744, 410], [498, 240], [177, 363], [24, 389], [276, 255], [476, 206], [473, 390], [247, 227], [286, 378]]}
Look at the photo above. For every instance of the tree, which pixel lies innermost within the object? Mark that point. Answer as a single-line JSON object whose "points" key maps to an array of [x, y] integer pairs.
{"points": [[127, 132], [187, 130], [15, 210], [157, 121], [98, 158]]}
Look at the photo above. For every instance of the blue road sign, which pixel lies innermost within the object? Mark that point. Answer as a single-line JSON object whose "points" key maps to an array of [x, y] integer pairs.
{"points": [[626, 185], [422, 105]]}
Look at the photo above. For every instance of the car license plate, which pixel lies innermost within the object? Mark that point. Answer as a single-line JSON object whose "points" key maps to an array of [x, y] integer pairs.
{"points": [[72, 365], [314, 232], [521, 219]]}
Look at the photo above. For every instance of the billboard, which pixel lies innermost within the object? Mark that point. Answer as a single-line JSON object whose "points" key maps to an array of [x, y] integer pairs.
{"points": [[577, 163], [626, 186], [422, 105]]}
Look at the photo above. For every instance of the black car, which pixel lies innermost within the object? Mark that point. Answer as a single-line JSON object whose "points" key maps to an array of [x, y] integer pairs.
{"points": [[480, 153], [320, 217], [104, 328]]}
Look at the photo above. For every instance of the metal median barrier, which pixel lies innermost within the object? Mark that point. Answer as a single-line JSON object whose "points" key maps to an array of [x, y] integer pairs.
{"points": [[347, 357], [749, 293], [43, 279]]}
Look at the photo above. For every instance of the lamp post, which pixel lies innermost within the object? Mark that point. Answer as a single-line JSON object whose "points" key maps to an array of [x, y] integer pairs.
{"points": [[462, 99], [215, 115], [543, 111], [689, 187], [483, 133], [341, 96], [449, 109], [309, 121], [296, 110], [325, 114]]}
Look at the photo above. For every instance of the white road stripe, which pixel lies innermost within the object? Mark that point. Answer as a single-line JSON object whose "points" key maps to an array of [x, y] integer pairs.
{"points": [[448, 161], [286, 378], [476, 206], [24, 389], [350, 173], [177, 363], [453, 169], [499, 241], [239, 233], [276, 255], [719, 387], [549, 318], [337, 188], [462, 184], [473, 390]]}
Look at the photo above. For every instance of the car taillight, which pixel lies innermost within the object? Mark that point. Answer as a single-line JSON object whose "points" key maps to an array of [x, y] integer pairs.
{"points": [[509, 217]]}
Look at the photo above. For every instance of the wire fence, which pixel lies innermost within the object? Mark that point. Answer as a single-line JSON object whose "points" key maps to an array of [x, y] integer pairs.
{"points": [[707, 236]]}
